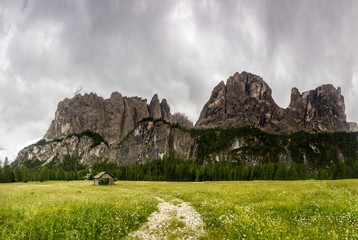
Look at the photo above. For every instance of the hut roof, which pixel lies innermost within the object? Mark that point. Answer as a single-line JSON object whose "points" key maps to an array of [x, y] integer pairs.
{"points": [[101, 173]]}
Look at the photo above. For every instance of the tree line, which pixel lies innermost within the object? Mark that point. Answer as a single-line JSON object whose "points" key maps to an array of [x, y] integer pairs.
{"points": [[68, 170], [174, 169]]}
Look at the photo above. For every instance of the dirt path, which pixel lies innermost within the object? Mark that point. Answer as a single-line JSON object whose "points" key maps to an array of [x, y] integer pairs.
{"points": [[173, 220]]}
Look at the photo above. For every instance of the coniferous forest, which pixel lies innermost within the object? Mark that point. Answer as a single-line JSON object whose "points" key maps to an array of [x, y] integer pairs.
{"points": [[174, 169]]}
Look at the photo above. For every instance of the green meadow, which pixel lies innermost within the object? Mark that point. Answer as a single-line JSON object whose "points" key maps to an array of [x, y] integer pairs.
{"points": [[308, 209]]}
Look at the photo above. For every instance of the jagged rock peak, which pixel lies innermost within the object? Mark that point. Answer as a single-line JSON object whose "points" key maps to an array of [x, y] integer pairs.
{"points": [[250, 84], [154, 107], [165, 109], [113, 118], [115, 96], [321, 109], [159, 109], [246, 99], [214, 111]]}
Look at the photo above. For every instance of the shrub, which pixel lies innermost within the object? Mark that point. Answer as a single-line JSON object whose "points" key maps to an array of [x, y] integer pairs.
{"points": [[103, 181], [41, 142]]}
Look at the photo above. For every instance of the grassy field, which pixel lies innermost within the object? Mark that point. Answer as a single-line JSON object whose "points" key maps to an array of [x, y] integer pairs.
{"points": [[230, 210]]}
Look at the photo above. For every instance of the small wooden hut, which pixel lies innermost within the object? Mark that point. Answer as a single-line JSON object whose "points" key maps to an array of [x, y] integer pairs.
{"points": [[103, 175]]}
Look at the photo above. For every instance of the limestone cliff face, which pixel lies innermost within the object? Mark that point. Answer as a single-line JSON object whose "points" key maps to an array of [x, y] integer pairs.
{"points": [[112, 118], [165, 110], [317, 110], [246, 100], [153, 140], [155, 108], [214, 111], [80, 148], [148, 141]]}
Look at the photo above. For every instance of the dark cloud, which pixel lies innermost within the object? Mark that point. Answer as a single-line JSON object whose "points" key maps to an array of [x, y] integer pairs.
{"points": [[50, 50]]}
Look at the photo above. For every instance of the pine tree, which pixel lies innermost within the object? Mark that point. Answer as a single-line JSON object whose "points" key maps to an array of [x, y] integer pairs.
{"points": [[292, 172], [197, 177], [18, 175], [44, 174], [355, 169], [25, 173], [8, 173], [323, 174], [245, 173], [281, 172]]}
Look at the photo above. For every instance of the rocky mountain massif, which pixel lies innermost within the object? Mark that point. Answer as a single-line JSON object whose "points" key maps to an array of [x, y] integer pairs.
{"points": [[130, 131], [151, 139], [246, 99], [112, 118]]}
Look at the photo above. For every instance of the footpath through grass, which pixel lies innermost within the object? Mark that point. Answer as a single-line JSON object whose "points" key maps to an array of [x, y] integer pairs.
{"points": [[230, 210]]}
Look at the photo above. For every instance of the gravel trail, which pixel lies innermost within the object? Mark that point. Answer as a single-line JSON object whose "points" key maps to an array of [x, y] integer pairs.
{"points": [[174, 220]]}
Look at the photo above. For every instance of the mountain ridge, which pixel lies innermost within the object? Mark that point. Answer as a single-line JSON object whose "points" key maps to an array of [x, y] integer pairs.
{"points": [[138, 132]]}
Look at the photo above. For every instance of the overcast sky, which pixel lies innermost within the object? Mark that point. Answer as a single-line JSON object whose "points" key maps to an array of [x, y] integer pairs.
{"points": [[51, 49]]}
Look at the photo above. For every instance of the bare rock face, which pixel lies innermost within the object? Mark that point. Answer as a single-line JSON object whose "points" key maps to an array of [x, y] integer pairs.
{"points": [[165, 110], [249, 101], [154, 140], [154, 108], [214, 111], [159, 110], [318, 110], [74, 146], [148, 141], [246, 100], [112, 118]]}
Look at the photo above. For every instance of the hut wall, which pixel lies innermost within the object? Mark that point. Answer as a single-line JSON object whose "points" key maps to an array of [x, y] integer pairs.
{"points": [[111, 181]]}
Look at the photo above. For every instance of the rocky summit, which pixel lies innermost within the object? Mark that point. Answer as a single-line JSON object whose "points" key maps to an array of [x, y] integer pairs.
{"points": [[246, 99], [112, 118]]}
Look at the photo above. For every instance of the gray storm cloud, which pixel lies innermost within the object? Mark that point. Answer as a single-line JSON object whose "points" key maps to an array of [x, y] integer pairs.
{"points": [[178, 49]]}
